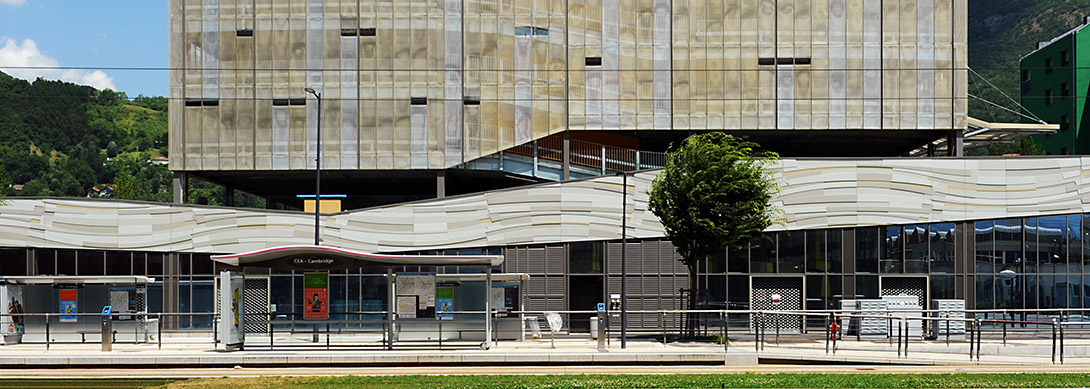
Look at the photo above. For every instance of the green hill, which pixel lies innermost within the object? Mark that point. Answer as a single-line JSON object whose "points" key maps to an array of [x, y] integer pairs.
{"points": [[1000, 33], [62, 139]]}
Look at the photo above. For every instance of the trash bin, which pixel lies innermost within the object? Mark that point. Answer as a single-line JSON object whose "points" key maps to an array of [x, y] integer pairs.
{"points": [[594, 327], [151, 330]]}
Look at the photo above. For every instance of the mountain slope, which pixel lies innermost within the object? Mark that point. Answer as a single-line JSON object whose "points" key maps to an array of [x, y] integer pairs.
{"points": [[1003, 31]]}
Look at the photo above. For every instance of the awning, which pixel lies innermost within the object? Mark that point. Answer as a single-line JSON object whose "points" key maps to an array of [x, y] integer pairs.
{"points": [[327, 257], [47, 280]]}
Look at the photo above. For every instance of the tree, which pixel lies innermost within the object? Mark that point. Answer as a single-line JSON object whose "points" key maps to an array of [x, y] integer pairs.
{"points": [[713, 194], [5, 183], [125, 188]]}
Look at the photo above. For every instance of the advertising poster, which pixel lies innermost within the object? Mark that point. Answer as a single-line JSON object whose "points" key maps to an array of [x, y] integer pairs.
{"points": [[444, 302], [68, 300], [12, 296], [316, 295], [230, 313]]}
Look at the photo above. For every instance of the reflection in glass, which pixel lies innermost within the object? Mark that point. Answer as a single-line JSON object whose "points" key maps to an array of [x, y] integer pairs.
{"points": [[892, 260], [867, 246], [941, 237], [985, 250]]}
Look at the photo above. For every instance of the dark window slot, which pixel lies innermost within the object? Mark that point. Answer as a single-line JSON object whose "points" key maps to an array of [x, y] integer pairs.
{"points": [[471, 100], [280, 102], [367, 31], [418, 101], [349, 32], [202, 102], [594, 61], [766, 61], [298, 102], [245, 32], [802, 61], [211, 103], [192, 103]]}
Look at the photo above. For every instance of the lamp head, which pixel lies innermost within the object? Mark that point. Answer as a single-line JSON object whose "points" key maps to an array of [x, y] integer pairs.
{"points": [[311, 90]]}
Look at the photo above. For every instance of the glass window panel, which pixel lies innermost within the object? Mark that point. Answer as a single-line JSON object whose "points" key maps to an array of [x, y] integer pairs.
{"points": [[204, 296], [984, 297], [816, 261], [792, 252], [1008, 291], [46, 260], [867, 246], [155, 264], [1033, 254], [1030, 289], [738, 298], [892, 260], [585, 257], [834, 253], [1053, 291], [985, 250], [738, 260], [942, 287], [1074, 244], [916, 249], [941, 237], [91, 263], [1008, 245], [118, 263], [1052, 244], [866, 287], [66, 262], [1074, 291], [717, 263], [763, 254], [13, 262]]}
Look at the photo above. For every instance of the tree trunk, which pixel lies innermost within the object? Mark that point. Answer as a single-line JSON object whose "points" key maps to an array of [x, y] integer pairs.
{"points": [[694, 287]]}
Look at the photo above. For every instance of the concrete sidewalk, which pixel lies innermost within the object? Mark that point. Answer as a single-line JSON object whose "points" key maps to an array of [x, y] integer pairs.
{"points": [[300, 352]]}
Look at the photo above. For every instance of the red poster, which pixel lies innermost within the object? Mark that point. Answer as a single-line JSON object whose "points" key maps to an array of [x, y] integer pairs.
{"points": [[316, 296]]}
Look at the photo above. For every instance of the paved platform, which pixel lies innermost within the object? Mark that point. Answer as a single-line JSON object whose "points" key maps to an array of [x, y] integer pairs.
{"points": [[299, 352]]}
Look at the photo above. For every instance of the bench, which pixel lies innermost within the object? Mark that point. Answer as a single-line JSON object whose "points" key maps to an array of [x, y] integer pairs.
{"points": [[83, 335]]}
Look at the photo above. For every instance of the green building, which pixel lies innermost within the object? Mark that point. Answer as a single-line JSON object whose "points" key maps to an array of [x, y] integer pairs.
{"points": [[1055, 80]]}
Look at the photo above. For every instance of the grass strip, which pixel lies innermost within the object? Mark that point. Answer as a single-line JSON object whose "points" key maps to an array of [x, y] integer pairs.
{"points": [[780, 380]]}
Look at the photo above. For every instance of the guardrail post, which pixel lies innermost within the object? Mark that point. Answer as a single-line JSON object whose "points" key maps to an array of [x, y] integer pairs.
{"points": [[947, 329], [907, 327], [327, 336], [828, 331], [757, 332], [441, 333], [726, 341], [899, 326], [603, 160], [1004, 333], [46, 330], [1061, 325], [1054, 341], [979, 337], [764, 337], [159, 331], [972, 337], [779, 322]]}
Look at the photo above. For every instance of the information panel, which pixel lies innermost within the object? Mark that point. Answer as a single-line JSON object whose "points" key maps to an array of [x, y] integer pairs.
{"points": [[316, 296], [68, 304], [230, 314]]}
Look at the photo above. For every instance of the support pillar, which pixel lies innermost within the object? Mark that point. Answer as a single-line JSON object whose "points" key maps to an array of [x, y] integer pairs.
{"points": [[180, 183], [229, 195], [441, 184], [955, 144], [487, 308], [391, 306], [566, 174]]}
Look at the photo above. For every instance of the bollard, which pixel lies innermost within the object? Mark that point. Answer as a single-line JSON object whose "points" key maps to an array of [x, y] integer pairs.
{"points": [[906, 338], [972, 336], [979, 337], [726, 341], [47, 332], [947, 329], [898, 338], [778, 323], [1004, 333]]}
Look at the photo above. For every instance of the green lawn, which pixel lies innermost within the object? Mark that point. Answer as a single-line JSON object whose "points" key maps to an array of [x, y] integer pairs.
{"points": [[669, 381], [594, 381]]}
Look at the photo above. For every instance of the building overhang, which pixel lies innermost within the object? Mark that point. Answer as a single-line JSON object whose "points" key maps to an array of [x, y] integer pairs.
{"points": [[77, 280], [309, 257], [981, 133]]}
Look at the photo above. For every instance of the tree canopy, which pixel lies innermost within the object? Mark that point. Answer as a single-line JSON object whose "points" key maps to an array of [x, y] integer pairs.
{"points": [[714, 193]]}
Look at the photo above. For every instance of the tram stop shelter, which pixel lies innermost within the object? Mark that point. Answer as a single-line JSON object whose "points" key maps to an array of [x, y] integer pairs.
{"points": [[73, 304], [422, 308]]}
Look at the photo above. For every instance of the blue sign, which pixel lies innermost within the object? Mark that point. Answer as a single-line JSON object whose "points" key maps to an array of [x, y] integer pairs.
{"points": [[107, 310], [601, 307]]}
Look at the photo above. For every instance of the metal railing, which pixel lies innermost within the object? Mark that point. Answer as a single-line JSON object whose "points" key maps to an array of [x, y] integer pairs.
{"points": [[378, 329]]}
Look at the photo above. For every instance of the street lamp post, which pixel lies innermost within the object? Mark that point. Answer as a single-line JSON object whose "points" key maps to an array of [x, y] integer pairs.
{"points": [[317, 167], [624, 259]]}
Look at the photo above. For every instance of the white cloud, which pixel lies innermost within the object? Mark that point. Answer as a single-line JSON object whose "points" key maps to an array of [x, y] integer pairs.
{"points": [[27, 62], [13, 3]]}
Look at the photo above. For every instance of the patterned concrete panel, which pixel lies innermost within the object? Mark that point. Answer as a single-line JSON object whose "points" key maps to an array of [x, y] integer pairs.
{"points": [[814, 194]]}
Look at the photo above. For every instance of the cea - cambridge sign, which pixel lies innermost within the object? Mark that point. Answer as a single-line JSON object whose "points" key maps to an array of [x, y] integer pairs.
{"points": [[315, 263]]}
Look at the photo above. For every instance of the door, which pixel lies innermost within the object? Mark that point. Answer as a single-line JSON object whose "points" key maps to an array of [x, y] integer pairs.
{"points": [[777, 294], [585, 292]]}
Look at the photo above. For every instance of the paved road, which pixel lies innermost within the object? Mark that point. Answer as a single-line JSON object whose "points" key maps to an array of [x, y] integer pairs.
{"points": [[535, 370]]}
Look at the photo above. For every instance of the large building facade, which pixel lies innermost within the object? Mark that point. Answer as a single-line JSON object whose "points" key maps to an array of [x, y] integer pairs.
{"points": [[1054, 84], [998, 233], [433, 85]]}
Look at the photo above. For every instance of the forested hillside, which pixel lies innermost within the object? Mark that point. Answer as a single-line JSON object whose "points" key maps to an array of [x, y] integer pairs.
{"points": [[63, 139], [1003, 31]]}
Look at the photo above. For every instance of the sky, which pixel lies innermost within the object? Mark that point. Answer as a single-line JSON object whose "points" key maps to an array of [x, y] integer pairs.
{"points": [[95, 36]]}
